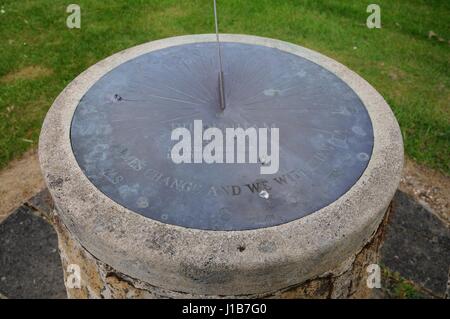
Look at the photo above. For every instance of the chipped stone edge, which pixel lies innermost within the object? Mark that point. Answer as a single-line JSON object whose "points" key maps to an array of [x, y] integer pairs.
{"points": [[209, 262]]}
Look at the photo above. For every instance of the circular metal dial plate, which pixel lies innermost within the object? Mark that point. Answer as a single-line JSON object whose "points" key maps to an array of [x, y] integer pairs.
{"points": [[121, 135]]}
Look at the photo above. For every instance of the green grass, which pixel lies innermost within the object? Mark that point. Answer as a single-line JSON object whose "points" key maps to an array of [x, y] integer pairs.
{"points": [[396, 287], [410, 70]]}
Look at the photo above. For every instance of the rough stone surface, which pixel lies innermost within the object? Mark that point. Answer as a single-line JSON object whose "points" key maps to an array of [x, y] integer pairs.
{"points": [[30, 266], [417, 245], [99, 280], [42, 203], [253, 262], [447, 293]]}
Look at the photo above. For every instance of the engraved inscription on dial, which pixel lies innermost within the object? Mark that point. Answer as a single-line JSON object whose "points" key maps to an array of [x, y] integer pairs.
{"points": [[121, 136]]}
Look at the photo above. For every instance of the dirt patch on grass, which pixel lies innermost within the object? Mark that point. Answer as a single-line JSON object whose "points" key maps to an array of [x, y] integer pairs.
{"points": [[429, 187], [26, 73], [20, 180], [174, 11]]}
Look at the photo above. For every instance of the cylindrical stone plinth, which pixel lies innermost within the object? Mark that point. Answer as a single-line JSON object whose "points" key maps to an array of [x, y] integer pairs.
{"points": [[125, 251]]}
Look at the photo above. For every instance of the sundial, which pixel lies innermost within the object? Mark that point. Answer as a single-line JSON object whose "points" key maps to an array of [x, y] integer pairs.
{"points": [[311, 199], [121, 135]]}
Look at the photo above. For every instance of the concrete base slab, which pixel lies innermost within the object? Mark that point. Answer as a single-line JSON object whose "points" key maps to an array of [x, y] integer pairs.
{"points": [[417, 245], [30, 266]]}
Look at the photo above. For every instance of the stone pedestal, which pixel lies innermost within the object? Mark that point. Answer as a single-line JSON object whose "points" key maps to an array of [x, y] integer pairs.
{"points": [[123, 254], [98, 280]]}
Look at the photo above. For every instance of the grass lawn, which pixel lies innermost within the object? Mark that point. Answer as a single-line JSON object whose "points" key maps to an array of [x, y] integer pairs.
{"points": [[39, 55]]}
